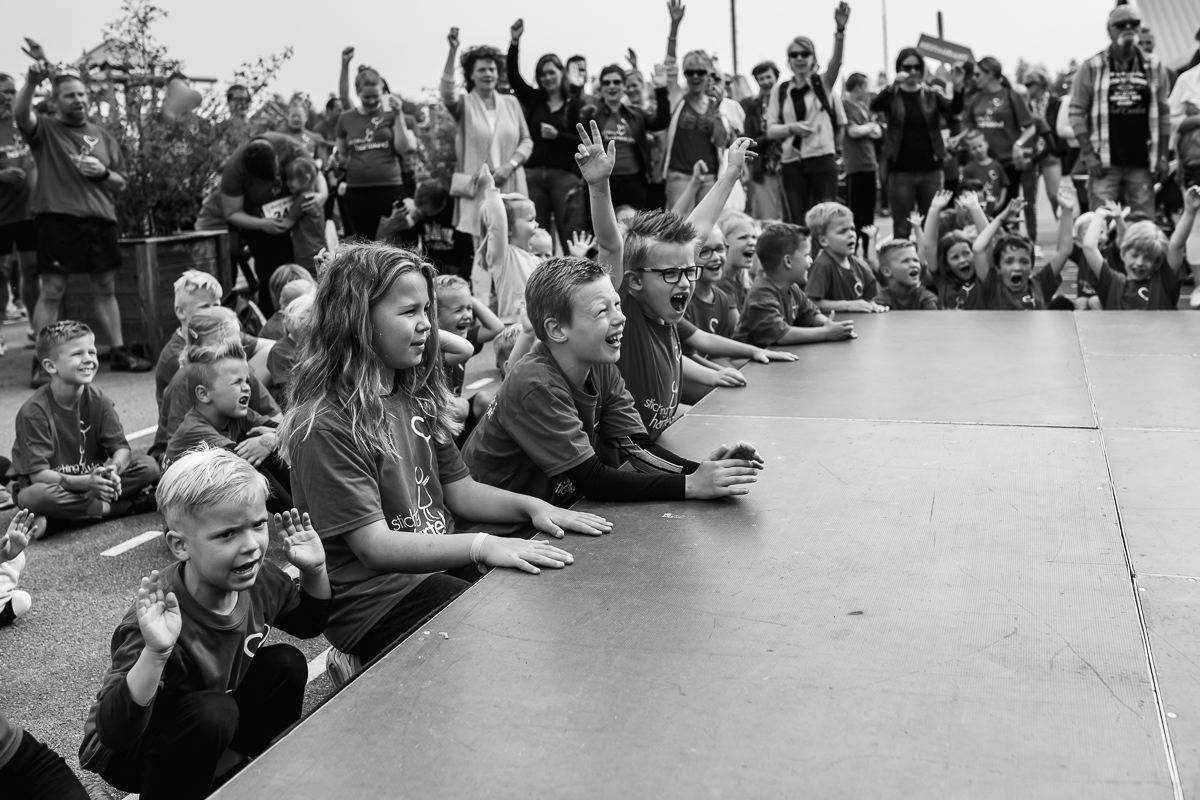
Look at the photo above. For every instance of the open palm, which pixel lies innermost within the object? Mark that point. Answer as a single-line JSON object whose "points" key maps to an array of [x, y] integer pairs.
{"points": [[158, 614]]}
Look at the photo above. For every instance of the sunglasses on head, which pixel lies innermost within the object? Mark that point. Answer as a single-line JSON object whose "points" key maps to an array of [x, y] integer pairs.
{"points": [[799, 54], [1128, 25], [695, 73]]}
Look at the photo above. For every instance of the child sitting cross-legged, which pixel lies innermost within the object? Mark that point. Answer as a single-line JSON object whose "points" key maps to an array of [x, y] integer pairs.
{"points": [[194, 689], [563, 423], [777, 312], [218, 380], [839, 280], [1152, 265], [1006, 280], [71, 460], [901, 268]]}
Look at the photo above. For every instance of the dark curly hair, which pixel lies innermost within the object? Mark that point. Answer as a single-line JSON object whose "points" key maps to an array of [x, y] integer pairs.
{"points": [[483, 52]]}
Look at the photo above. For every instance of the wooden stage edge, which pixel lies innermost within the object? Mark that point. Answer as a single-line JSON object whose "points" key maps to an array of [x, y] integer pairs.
{"points": [[979, 579]]}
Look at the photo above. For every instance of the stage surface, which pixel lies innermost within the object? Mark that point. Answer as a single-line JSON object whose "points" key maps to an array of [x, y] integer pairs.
{"points": [[969, 569]]}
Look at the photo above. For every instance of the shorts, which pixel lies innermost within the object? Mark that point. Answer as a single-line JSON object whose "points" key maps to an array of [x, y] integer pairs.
{"points": [[21, 236], [76, 245]]}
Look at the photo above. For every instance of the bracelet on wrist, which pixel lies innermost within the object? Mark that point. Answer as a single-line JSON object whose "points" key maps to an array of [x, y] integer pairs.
{"points": [[477, 546]]}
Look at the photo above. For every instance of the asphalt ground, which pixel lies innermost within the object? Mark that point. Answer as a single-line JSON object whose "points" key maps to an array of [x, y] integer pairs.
{"points": [[53, 658]]}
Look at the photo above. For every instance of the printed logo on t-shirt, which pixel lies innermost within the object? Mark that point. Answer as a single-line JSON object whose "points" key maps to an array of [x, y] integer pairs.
{"points": [[422, 518], [564, 488], [1127, 93], [257, 639], [367, 142], [858, 288]]}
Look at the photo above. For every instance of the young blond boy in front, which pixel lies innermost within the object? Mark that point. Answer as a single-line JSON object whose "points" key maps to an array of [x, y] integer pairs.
{"points": [[838, 280]]}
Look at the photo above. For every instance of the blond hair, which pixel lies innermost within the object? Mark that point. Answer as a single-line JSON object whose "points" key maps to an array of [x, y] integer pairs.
{"points": [[206, 477], [822, 215]]}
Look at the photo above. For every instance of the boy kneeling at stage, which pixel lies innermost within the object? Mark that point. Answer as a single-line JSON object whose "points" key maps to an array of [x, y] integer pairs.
{"points": [[193, 689]]}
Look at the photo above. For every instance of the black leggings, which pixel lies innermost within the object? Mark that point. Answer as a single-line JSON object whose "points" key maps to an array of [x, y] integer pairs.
{"points": [[807, 182], [178, 752], [860, 196], [270, 250], [35, 772]]}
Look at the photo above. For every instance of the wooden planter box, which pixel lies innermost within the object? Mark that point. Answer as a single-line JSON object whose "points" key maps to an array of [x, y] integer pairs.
{"points": [[145, 284]]}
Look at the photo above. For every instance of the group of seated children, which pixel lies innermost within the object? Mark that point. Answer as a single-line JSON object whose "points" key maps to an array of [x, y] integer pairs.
{"points": [[367, 444]]}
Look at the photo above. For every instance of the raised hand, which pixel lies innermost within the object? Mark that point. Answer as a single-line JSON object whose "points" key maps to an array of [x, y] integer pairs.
{"points": [[869, 231], [659, 77], [595, 163], [675, 8], [33, 50], [940, 201], [968, 200], [485, 181], [452, 38], [739, 154], [1014, 208], [915, 219], [1068, 199], [16, 538], [347, 55], [522, 554], [1191, 200], [841, 14], [580, 244], [158, 614], [302, 545], [517, 30], [699, 168], [631, 57]]}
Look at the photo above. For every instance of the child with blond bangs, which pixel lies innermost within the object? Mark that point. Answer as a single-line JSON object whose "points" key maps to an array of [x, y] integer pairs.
{"points": [[194, 290], [507, 224], [1153, 266], [280, 279], [838, 279], [464, 316], [900, 267], [369, 436], [209, 327], [741, 237]]}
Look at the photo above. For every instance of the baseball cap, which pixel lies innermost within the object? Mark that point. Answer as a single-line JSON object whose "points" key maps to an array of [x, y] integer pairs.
{"points": [[1123, 14]]}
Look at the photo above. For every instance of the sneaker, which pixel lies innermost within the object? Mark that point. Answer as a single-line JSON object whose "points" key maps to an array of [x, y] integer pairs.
{"points": [[6, 498], [17, 605], [341, 667], [14, 312], [123, 360], [38, 377]]}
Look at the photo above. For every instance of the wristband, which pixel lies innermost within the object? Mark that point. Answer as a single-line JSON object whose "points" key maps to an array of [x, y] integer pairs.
{"points": [[476, 546], [513, 163]]}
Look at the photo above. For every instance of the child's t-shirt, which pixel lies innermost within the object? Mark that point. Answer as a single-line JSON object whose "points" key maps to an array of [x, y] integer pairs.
{"points": [[990, 294], [509, 278], [308, 237], [344, 488], [651, 362], [770, 311], [176, 403], [993, 178], [73, 441], [734, 288], [829, 281], [541, 425], [196, 430], [951, 292], [918, 299], [1159, 292], [213, 653], [711, 316], [369, 137]]}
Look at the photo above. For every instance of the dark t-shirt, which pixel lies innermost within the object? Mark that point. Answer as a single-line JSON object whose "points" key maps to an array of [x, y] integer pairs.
{"points": [[1160, 292], [951, 293], [828, 281], [555, 153], [15, 198], [919, 299], [652, 362], [61, 187], [450, 250], [1129, 118], [369, 142], [196, 430], [994, 180], [176, 403], [712, 316], [541, 425], [616, 129], [1001, 116], [344, 488], [991, 294], [693, 140], [770, 311], [734, 289], [255, 192], [73, 441], [916, 146], [859, 153]]}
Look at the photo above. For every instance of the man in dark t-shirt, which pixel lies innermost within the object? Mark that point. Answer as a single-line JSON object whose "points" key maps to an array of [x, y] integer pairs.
{"points": [[80, 168]]}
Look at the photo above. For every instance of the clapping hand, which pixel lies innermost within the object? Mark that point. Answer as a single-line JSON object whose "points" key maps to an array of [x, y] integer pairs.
{"points": [[158, 614], [302, 545], [16, 538], [595, 163]]}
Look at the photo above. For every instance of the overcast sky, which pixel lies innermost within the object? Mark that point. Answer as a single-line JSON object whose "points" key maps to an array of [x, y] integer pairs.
{"points": [[409, 47]]}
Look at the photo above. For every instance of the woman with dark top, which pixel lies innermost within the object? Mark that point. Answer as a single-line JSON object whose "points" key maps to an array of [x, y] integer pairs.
{"points": [[551, 113], [695, 132], [1043, 105], [806, 115], [371, 138], [629, 127], [913, 144], [1004, 118]]}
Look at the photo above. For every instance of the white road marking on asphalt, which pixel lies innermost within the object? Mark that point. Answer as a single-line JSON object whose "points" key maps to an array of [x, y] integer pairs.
{"points": [[141, 433], [129, 544], [473, 385], [316, 667]]}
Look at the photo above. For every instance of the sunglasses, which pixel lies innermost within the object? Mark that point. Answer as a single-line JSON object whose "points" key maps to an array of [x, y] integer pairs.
{"points": [[799, 54], [616, 82], [673, 275], [695, 73], [913, 67], [1128, 25]]}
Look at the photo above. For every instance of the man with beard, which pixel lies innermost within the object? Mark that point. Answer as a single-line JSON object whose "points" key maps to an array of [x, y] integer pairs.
{"points": [[1120, 116]]}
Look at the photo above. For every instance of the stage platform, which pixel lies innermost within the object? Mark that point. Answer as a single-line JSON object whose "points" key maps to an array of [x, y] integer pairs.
{"points": [[969, 569]]}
